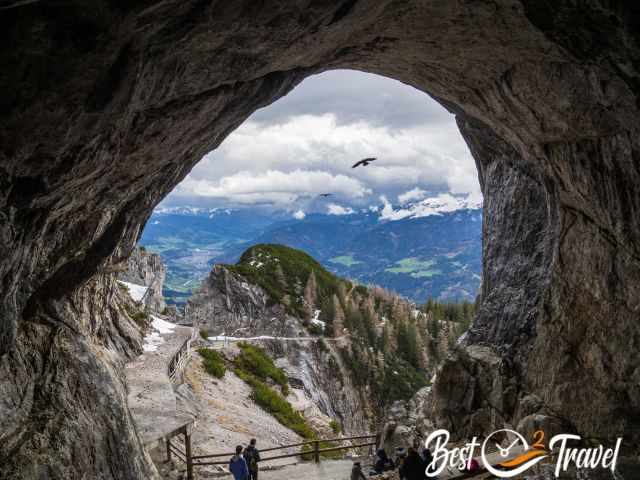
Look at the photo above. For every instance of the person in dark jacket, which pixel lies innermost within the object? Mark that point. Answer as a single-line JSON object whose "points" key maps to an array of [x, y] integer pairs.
{"points": [[356, 472], [427, 458], [413, 467], [252, 456], [238, 465], [383, 462]]}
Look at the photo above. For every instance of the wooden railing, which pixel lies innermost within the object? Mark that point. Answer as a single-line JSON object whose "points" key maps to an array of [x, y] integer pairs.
{"points": [[315, 452], [180, 359], [184, 455]]}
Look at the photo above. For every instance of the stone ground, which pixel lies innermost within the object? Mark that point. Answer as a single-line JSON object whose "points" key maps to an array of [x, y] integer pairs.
{"points": [[151, 398], [325, 470], [228, 417]]}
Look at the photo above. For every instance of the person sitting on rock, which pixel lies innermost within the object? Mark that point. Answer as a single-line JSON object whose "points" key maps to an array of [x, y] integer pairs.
{"points": [[252, 457], [238, 465], [356, 472], [413, 467]]}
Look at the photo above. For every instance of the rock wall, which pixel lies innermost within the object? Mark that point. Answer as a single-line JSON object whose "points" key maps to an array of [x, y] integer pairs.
{"points": [[50, 423], [106, 106], [326, 384], [226, 304], [144, 268]]}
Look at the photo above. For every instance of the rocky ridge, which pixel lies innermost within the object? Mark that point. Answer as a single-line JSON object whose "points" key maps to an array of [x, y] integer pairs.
{"points": [[325, 335], [146, 269]]}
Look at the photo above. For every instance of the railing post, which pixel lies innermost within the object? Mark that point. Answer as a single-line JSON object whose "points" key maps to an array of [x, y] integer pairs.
{"points": [[168, 450], [316, 451], [187, 451]]}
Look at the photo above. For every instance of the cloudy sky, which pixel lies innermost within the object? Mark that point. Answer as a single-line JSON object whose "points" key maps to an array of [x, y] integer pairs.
{"points": [[286, 154]]}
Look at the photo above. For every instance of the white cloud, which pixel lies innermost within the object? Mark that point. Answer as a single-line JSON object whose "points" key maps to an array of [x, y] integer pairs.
{"points": [[299, 215], [415, 194], [335, 209], [262, 161], [274, 186], [388, 213]]}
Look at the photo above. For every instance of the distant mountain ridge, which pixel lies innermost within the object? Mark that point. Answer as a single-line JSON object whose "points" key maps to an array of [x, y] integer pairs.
{"points": [[430, 247]]}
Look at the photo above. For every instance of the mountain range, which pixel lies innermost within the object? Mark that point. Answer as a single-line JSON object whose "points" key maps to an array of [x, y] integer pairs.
{"points": [[427, 248]]}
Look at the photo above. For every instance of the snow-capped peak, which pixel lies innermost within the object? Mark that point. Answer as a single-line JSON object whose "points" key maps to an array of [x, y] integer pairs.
{"points": [[443, 203], [192, 211]]}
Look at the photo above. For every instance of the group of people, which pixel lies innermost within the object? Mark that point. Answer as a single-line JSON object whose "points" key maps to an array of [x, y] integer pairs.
{"points": [[411, 465], [244, 464]]}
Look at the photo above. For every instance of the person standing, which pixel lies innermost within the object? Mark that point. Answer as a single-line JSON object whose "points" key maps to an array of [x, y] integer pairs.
{"points": [[238, 465], [413, 467], [356, 472], [252, 456]]}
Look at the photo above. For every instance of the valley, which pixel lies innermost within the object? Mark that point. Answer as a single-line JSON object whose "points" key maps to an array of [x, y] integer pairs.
{"points": [[436, 256]]}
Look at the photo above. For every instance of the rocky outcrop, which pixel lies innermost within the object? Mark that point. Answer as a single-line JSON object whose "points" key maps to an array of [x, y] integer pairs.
{"points": [[315, 369], [105, 109], [227, 304], [56, 429], [147, 269]]}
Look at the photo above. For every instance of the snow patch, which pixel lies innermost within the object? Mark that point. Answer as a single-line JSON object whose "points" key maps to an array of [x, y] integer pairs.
{"points": [[154, 339], [162, 326], [137, 292], [316, 319]]}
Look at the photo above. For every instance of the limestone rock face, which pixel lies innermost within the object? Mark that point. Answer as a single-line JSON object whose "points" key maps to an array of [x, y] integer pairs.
{"points": [[325, 384], [226, 304], [144, 268], [48, 398], [106, 106]]}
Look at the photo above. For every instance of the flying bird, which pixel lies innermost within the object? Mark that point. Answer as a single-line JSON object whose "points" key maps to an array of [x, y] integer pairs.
{"points": [[364, 162], [325, 195]]}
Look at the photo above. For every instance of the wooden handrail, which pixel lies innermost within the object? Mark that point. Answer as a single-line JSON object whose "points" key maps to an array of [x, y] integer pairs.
{"points": [[182, 356], [310, 442], [178, 453]]}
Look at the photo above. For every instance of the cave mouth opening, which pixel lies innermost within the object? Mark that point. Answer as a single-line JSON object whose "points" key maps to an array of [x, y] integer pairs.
{"points": [[544, 96], [286, 173]]}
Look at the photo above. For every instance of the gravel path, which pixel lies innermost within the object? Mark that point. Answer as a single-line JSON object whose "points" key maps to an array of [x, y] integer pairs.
{"points": [[151, 399], [325, 470]]}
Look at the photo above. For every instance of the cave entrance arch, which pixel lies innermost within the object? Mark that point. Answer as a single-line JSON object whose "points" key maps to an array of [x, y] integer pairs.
{"points": [[292, 160], [104, 111]]}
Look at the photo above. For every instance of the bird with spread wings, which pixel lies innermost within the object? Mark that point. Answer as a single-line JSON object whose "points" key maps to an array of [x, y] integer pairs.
{"points": [[364, 162]]}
